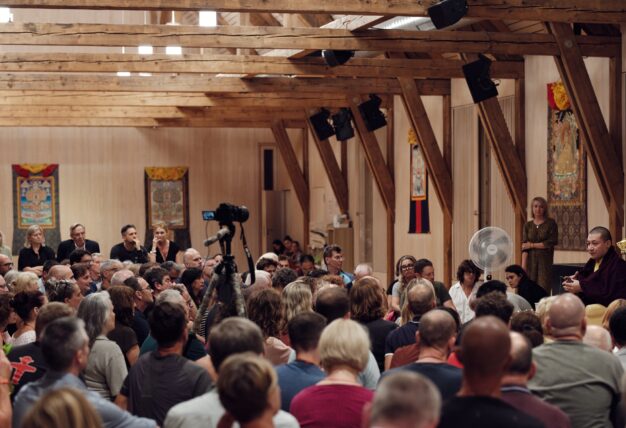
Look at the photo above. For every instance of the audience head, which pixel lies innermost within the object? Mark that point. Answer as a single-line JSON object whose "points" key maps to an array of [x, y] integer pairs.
{"points": [[173, 268], [65, 344], [80, 256], [283, 262], [25, 281], [468, 272], [168, 324], [282, 277], [521, 356], [529, 325], [234, 335], [49, 313], [514, 274], [158, 279], [424, 269], [539, 207], [437, 329], [34, 236], [485, 354], [405, 399], [47, 265], [367, 300], [264, 309], [60, 408], [192, 258], [566, 317], [6, 310], [598, 337], [599, 241], [305, 330], [362, 270], [333, 258], [491, 286], [10, 278], [344, 343], [6, 264], [296, 298], [27, 304], [307, 263], [617, 327], [610, 310], [250, 376], [82, 275], [96, 310], [192, 280], [77, 234], [420, 296], [64, 291], [332, 303], [120, 276], [496, 304], [405, 268], [123, 304], [267, 265]]}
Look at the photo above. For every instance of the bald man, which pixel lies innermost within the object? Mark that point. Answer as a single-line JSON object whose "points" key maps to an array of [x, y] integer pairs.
{"points": [[60, 272], [514, 386], [592, 397], [485, 353], [598, 337], [421, 299]]}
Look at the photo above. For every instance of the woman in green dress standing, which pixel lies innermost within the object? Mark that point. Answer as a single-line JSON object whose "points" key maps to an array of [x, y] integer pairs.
{"points": [[540, 236]]}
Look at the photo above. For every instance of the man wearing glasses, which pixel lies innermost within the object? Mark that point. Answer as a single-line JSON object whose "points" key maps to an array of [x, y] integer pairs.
{"points": [[6, 264]]}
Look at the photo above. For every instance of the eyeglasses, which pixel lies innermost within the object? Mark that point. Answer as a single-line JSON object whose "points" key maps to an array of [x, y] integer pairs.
{"points": [[8, 264], [407, 267]]}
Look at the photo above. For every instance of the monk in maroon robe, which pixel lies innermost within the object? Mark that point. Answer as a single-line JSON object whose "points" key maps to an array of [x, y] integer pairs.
{"points": [[603, 278]]}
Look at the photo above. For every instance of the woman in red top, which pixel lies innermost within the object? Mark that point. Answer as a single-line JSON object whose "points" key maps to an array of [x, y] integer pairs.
{"points": [[338, 400]]}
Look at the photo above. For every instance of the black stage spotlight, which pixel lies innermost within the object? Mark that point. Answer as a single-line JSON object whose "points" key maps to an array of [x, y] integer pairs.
{"points": [[478, 80], [323, 129], [371, 114], [342, 125], [335, 58], [447, 12]]}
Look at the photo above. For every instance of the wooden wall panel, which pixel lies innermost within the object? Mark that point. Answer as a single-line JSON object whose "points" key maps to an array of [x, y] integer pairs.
{"points": [[101, 174]]}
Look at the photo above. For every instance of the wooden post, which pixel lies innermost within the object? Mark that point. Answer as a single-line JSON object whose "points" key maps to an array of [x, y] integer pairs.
{"points": [[391, 237], [447, 219], [520, 145], [306, 218]]}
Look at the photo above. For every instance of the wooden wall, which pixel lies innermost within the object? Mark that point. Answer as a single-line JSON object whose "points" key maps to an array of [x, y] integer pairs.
{"points": [[101, 174]]}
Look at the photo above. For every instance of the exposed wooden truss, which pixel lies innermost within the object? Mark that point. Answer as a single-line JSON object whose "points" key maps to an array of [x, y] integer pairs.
{"points": [[243, 64], [592, 11], [297, 38]]}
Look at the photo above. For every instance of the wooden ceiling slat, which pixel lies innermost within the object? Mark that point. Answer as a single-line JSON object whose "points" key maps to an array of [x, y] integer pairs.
{"points": [[296, 38], [243, 64], [593, 11]]}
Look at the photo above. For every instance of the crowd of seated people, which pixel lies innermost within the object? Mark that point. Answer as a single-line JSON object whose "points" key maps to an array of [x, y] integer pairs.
{"points": [[149, 337]]}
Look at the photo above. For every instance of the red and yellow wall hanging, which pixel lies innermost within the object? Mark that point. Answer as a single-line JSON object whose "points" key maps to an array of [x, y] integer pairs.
{"points": [[419, 221]]}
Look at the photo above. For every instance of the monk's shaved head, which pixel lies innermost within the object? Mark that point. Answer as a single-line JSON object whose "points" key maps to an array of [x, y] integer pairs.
{"points": [[566, 315], [485, 349]]}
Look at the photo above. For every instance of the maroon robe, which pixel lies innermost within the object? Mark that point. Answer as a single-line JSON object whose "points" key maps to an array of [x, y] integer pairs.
{"points": [[608, 283]]}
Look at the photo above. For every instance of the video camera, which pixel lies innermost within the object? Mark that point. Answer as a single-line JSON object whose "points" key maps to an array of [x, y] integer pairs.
{"points": [[227, 214]]}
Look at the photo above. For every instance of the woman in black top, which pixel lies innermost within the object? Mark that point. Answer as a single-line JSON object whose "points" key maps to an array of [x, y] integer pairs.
{"points": [[162, 248], [525, 287], [35, 253]]}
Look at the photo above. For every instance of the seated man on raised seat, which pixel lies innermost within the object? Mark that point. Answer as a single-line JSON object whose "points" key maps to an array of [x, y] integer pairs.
{"points": [[77, 241]]}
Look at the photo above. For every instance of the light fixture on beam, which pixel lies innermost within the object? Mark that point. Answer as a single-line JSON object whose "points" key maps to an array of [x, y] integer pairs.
{"points": [[478, 79], [371, 114], [447, 12], [323, 129], [341, 122], [335, 58]]}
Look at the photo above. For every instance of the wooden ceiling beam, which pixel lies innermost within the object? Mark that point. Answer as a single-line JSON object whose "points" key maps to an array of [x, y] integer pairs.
{"points": [[607, 166], [242, 37], [244, 64], [212, 85], [140, 123], [591, 11]]}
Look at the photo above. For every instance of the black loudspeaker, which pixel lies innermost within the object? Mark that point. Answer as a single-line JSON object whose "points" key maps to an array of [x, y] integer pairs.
{"points": [[342, 125], [478, 80], [335, 58], [323, 129], [447, 12], [371, 114]]}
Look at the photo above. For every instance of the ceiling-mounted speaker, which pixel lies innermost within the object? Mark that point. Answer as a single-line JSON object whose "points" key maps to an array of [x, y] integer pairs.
{"points": [[478, 79], [336, 58], [341, 122], [447, 12], [322, 127], [371, 114]]}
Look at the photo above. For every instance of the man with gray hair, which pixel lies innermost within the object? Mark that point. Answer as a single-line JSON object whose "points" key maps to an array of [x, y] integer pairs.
{"points": [[107, 269], [120, 276], [362, 270], [592, 398], [407, 400], [514, 386], [65, 346], [6, 264]]}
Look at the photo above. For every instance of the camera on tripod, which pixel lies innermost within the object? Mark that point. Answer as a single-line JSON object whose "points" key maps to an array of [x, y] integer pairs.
{"points": [[227, 214]]}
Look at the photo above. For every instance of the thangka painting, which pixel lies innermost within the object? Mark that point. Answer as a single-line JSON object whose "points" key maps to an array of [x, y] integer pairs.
{"points": [[167, 201], [419, 221], [36, 202], [567, 171]]}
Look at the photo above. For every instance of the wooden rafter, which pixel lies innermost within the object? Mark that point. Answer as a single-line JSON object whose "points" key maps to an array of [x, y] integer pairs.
{"points": [[375, 160], [142, 123], [291, 163], [593, 11], [337, 181], [608, 167], [244, 64], [298, 38], [212, 85]]}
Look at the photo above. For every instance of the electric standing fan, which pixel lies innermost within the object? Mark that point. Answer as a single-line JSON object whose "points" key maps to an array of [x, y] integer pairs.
{"points": [[490, 249]]}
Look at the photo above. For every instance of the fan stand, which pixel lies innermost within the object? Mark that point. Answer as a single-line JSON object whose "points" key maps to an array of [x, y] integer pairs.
{"points": [[491, 250]]}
